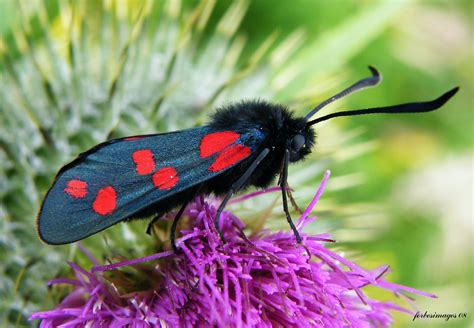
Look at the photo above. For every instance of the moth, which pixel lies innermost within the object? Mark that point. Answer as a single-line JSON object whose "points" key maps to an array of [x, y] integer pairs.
{"points": [[245, 144]]}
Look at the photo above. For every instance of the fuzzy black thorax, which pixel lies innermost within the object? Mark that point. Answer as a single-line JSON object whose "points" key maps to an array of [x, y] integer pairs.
{"points": [[276, 121]]}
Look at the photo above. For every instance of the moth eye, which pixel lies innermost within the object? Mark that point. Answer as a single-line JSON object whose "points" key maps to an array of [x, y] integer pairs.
{"points": [[298, 142]]}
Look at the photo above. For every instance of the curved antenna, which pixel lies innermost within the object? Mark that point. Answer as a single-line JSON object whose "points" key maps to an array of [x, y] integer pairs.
{"points": [[418, 107], [362, 84]]}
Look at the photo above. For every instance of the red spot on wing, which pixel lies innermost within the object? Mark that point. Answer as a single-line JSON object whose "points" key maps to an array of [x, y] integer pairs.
{"points": [[76, 188], [230, 156], [165, 178], [144, 161], [106, 201], [132, 138], [217, 141]]}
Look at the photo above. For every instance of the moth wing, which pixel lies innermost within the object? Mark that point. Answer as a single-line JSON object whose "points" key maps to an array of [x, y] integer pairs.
{"points": [[117, 179]]}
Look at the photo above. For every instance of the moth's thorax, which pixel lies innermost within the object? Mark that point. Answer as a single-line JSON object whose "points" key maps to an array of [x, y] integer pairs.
{"points": [[275, 121]]}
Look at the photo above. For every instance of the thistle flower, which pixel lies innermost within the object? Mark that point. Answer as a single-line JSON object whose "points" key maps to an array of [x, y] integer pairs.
{"points": [[264, 280]]}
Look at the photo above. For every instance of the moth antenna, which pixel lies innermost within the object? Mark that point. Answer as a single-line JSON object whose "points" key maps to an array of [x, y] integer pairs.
{"points": [[359, 85], [417, 107]]}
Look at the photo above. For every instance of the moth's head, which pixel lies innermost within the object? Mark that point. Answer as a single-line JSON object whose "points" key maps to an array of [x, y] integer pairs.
{"points": [[301, 143]]}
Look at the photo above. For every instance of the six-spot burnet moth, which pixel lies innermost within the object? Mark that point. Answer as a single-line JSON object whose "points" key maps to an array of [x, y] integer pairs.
{"points": [[245, 144]]}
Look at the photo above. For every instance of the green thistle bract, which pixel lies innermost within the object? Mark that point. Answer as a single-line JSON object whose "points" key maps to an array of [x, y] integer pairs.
{"points": [[95, 71]]}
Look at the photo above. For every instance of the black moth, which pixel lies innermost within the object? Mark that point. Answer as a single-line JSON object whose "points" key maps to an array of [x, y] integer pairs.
{"points": [[245, 144]]}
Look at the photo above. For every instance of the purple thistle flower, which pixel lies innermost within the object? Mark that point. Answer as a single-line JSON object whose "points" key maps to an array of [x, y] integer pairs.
{"points": [[265, 280]]}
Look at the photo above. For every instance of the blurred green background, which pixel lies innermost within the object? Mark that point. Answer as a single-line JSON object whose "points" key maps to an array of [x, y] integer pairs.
{"points": [[415, 172]]}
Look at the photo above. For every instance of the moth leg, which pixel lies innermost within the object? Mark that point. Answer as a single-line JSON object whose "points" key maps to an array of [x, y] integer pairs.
{"points": [[219, 211], [283, 185], [175, 225], [288, 191], [152, 222], [292, 200], [236, 186]]}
